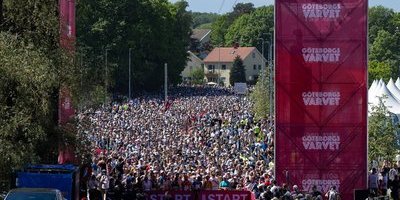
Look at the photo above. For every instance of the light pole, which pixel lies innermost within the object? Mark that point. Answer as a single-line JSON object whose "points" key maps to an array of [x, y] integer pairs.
{"points": [[262, 57], [106, 77], [271, 75], [166, 82], [219, 63], [129, 95], [270, 78]]}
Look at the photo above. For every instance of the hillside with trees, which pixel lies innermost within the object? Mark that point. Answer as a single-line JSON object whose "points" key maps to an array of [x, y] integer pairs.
{"points": [[157, 32]]}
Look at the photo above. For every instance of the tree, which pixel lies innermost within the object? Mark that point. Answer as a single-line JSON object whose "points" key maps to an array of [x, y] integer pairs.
{"points": [[237, 73], [197, 76], [157, 31], [200, 19], [25, 103], [385, 48], [248, 28], [241, 9], [219, 28], [34, 21], [260, 97], [382, 141], [379, 70], [222, 24], [380, 18]]}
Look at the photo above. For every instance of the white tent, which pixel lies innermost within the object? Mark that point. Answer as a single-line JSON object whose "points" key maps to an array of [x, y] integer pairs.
{"points": [[372, 89], [390, 102], [393, 89], [398, 82]]}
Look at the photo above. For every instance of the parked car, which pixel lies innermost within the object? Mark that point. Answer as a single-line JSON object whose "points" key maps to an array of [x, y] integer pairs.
{"points": [[34, 194]]}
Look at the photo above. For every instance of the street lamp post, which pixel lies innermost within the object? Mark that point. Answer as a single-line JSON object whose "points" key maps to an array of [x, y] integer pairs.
{"points": [[271, 75], [166, 82], [219, 64], [106, 76], [262, 52], [130, 73], [270, 71]]}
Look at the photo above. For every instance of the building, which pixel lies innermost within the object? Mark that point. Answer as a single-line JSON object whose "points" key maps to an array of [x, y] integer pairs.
{"points": [[192, 64], [218, 64], [200, 42]]}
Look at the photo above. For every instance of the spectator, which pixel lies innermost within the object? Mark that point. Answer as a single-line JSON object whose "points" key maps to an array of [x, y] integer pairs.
{"points": [[373, 182]]}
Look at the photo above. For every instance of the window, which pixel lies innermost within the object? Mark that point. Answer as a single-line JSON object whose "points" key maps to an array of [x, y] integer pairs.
{"points": [[254, 55], [254, 67], [223, 67], [211, 68], [259, 67]]}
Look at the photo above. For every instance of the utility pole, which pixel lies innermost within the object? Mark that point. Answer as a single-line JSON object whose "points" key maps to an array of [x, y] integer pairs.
{"points": [[219, 64], [106, 77], [262, 58], [129, 95], [271, 79], [166, 82]]}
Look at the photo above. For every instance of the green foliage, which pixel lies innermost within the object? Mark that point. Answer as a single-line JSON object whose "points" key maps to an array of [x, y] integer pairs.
{"points": [[222, 24], [384, 38], [218, 30], [379, 70], [241, 9], [25, 102], [260, 97], [197, 76], [380, 18], [33, 67], [386, 49], [205, 26], [157, 31], [237, 73], [249, 27], [201, 19], [382, 141], [35, 21]]}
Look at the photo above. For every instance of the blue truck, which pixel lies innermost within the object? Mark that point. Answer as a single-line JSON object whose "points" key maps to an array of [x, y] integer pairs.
{"points": [[62, 177]]}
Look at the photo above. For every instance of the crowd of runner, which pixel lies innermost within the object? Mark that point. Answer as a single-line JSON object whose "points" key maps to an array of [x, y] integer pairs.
{"points": [[202, 138]]}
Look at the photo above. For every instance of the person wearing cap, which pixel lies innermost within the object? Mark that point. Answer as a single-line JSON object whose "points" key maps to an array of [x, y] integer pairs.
{"points": [[224, 184]]}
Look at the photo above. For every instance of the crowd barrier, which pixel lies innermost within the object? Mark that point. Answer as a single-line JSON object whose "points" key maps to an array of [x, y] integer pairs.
{"points": [[200, 195]]}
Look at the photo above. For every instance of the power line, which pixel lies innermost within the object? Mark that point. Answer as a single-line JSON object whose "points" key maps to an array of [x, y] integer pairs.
{"points": [[222, 5], [234, 4]]}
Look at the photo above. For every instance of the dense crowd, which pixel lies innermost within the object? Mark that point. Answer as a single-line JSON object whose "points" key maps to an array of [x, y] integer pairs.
{"points": [[383, 180], [202, 138]]}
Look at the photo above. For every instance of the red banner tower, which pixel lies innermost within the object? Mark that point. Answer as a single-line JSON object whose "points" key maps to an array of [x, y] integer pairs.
{"points": [[321, 94], [67, 42]]}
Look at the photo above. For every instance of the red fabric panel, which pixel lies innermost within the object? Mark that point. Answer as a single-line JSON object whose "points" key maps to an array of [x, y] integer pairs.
{"points": [[321, 94]]}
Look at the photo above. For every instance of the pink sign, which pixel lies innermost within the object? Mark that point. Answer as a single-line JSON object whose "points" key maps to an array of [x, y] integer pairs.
{"points": [[200, 195]]}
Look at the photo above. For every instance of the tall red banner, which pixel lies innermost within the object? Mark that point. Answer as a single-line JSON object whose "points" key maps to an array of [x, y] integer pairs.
{"points": [[67, 42], [67, 24], [321, 94]]}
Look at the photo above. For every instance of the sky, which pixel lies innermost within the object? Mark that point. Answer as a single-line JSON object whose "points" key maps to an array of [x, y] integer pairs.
{"points": [[223, 6]]}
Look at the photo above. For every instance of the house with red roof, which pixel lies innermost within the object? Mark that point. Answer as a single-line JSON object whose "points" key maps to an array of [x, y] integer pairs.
{"points": [[219, 62]]}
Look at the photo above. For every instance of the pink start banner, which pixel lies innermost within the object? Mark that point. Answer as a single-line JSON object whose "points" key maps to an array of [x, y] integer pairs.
{"points": [[200, 195], [321, 94]]}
